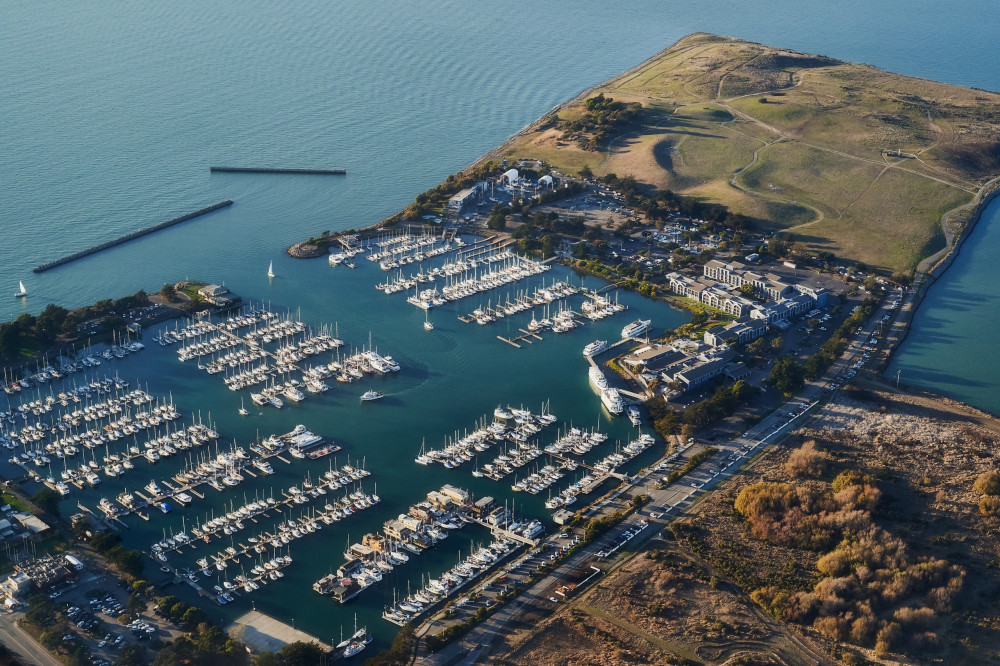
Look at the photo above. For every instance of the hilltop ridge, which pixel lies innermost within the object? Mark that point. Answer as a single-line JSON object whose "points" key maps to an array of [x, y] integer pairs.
{"points": [[843, 157]]}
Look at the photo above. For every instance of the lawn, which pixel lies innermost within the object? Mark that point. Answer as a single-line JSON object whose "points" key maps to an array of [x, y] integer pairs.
{"points": [[838, 125]]}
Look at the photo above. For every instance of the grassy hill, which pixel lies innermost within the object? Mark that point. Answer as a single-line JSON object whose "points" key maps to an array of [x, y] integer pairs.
{"points": [[844, 157]]}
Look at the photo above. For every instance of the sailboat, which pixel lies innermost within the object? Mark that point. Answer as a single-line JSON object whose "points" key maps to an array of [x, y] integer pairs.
{"points": [[270, 270], [428, 325], [22, 292], [243, 410]]}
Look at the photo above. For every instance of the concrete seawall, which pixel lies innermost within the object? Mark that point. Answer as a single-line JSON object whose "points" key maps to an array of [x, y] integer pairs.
{"points": [[314, 172], [41, 268]]}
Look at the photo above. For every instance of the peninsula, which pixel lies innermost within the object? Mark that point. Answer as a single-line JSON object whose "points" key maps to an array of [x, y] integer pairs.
{"points": [[848, 160]]}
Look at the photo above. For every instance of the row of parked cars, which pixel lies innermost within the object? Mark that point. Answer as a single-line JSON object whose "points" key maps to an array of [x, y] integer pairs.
{"points": [[108, 605]]}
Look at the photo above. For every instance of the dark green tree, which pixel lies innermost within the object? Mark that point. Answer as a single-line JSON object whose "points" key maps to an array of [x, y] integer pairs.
{"points": [[47, 500]]}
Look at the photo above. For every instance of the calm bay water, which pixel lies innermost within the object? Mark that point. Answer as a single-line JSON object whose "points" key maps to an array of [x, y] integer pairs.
{"points": [[113, 113]]}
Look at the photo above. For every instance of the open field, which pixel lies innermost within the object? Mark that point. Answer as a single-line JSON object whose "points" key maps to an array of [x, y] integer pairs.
{"points": [[847, 146]]}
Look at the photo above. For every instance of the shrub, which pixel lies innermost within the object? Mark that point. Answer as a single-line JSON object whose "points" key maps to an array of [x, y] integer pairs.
{"points": [[887, 637], [805, 461], [988, 483], [989, 505]]}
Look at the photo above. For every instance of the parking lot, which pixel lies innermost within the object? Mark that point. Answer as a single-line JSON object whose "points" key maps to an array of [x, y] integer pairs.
{"points": [[97, 610]]}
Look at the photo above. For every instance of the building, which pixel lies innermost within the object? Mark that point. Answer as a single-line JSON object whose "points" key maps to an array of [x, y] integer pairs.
{"points": [[34, 524], [483, 507], [458, 201], [216, 295], [742, 330], [456, 495], [652, 356], [699, 373], [16, 585]]}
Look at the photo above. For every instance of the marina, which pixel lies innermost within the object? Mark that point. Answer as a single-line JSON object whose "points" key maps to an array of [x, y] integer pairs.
{"points": [[248, 477]]}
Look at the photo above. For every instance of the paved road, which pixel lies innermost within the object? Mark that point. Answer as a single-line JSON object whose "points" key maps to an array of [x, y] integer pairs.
{"points": [[665, 502], [24, 646]]}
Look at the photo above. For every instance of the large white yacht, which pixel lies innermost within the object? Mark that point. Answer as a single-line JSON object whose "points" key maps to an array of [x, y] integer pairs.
{"points": [[636, 328], [595, 347], [612, 400], [597, 378]]}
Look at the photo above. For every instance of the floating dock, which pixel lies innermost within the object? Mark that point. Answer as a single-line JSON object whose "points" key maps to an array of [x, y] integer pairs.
{"points": [[41, 268], [308, 172]]}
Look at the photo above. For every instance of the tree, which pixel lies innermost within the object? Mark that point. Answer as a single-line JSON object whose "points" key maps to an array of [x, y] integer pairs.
{"points": [[81, 527], [301, 654], [47, 500], [787, 375], [585, 172], [498, 218], [777, 343], [192, 617], [130, 562], [168, 292], [131, 654]]}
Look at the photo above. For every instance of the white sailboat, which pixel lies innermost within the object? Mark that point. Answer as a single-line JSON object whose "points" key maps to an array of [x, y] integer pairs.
{"points": [[270, 270], [22, 292], [428, 325], [243, 410]]}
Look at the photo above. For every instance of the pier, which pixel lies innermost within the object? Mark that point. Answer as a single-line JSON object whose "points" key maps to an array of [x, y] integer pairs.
{"points": [[301, 172], [41, 268]]}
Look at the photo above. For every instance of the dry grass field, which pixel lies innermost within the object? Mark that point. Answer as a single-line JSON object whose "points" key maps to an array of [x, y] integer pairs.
{"points": [[853, 153], [870, 547]]}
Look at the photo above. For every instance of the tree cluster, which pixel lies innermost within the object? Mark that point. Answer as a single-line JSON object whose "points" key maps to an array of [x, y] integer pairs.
{"points": [[129, 562], [724, 402], [602, 119], [205, 646], [872, 591], [29, 333]]}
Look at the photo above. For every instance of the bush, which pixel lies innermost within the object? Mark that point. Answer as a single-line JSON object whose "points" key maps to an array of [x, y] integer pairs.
{"points": [[989, 505], [988, 483], [805, 461]]}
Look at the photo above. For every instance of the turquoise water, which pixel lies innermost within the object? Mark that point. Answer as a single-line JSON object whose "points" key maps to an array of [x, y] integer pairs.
{"points": [[951, 346], [113, 113]]}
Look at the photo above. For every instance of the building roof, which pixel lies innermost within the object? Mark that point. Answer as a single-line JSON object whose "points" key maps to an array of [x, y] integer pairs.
{"points": [[700, 370]]}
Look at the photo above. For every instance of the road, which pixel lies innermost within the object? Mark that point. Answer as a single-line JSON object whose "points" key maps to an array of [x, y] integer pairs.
{"points": [[666, 502], [21, 644]]}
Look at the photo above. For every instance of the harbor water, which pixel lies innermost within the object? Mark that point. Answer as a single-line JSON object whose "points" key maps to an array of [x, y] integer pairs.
{"points": [[452, 377]]}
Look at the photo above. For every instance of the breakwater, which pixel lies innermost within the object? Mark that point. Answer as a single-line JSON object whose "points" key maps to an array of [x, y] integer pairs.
{"points": [[41, 268], [314, 172]]}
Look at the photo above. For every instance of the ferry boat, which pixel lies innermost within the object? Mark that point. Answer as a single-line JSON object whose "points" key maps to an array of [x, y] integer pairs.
{"points": [[634, 416], [597, 378], [303, 439], [371, 395], [612, 401], [595, 347], [636, 328]]}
